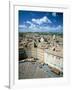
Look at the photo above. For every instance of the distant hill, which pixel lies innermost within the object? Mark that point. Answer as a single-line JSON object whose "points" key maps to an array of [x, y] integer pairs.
{"points": [[41, 33]]}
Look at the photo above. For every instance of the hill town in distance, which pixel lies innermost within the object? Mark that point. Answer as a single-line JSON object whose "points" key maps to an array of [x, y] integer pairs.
{"points": [[40, 44]]}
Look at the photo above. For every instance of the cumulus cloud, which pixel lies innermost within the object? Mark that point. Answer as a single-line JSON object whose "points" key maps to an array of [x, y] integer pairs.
{"points": [[22, 26], [36, 25], [41, 20], [54, 14], [32, 25], [37, 28], [29, 22], [59, 27], [53, 29]]}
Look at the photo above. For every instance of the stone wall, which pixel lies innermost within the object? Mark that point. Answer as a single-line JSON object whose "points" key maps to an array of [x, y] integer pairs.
{"points": [[53, 60], [34, 52], [45, 57], [40, 55]]}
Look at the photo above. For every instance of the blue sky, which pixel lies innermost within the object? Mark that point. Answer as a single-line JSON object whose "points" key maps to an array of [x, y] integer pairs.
{"points": [[36, 21]]}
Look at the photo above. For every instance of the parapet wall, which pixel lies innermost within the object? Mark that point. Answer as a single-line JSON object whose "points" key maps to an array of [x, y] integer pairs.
{"points": [[45, 57], [53, 60]]}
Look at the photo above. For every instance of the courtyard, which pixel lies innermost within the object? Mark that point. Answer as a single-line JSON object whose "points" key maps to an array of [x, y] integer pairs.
{"points": [[34, 69]]}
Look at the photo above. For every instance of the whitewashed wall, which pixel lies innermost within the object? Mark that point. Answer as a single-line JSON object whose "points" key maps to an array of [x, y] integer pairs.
{"points": [[45, 57], [53, 60]]}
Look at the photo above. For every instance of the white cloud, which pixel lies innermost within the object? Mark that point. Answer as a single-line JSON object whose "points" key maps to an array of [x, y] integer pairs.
{"points": [[35, 25], [54, 14], [49, 28], [59, 27], [41, 20], [32, 26], [29, 22], [22, 26]]}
